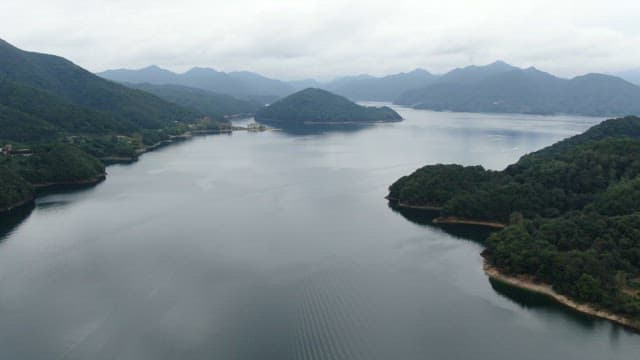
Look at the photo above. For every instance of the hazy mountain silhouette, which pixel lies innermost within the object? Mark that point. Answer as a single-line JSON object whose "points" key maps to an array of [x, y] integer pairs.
{"points": [[474, 73], [385, 88], [150, 75], [502, 88], [632, 76], [240, 83], [206, 103], [496, 87]]}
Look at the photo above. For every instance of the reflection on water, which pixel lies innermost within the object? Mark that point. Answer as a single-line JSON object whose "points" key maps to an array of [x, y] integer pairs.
{"points": [[478, 234], [8, 222], [317, 129], [533, 300]]}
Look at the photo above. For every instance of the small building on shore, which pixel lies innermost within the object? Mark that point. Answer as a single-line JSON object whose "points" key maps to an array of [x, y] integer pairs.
{"points": [[256, 127]]}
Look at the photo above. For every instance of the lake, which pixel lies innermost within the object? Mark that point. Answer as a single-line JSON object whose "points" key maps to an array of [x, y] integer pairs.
{"points": [[274, 246]]}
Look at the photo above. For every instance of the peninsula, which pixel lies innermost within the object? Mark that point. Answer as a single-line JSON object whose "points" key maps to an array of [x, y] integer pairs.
{"points": [[571, 214]]}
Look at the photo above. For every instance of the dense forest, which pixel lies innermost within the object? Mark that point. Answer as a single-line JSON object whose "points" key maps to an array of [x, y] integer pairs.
{"points": [[45, 98], [60, 119], [46, 165], [15, 190], [319, 106], [572, 210], [57, 163], [75, 86]]}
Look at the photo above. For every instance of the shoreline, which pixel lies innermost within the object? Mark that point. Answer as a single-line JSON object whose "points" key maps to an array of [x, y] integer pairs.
{"points": [[524, 282], [400, 204], [527, 284], [42, 188], [447, 220], [19, 205], [452, 220], [266, 121], [70, 183], [112, 160]]}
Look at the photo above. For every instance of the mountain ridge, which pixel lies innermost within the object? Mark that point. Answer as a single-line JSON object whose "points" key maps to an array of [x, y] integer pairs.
{"points": [[237, 83], [79, 87], [528, 91]]}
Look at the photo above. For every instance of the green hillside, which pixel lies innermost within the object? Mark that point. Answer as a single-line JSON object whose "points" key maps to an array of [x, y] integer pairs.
{"points": [[79, 87], [206, 103], [64, 118], [320, 106], [572, 209]]}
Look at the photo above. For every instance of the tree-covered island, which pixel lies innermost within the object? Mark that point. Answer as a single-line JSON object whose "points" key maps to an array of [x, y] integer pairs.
{"points": [[314, 107]]}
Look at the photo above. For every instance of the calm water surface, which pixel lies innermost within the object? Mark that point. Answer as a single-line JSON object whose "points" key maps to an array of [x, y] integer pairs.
{"points": [[271, 246]]}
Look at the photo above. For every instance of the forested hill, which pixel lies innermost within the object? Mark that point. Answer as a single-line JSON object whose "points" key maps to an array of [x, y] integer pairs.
{"points": [[60, 118], [239, 83], [28, 114], [628, 127], [320, 106], [204, 102], [79, 87], [572, 209], [47, 165], [46, 98]]}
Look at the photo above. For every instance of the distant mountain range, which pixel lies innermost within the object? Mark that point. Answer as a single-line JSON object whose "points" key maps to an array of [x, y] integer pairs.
{"points": [[240, 84], [252, 86], [497, 87], [205, 102], [387, 88], [632, 76], [502, 88]]}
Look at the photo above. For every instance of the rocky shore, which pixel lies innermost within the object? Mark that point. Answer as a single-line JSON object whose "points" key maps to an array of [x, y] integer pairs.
{"points": [[528, 284]]}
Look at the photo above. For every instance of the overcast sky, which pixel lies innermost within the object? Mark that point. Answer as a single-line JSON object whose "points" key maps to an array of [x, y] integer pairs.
{"points": [[295, 39]]}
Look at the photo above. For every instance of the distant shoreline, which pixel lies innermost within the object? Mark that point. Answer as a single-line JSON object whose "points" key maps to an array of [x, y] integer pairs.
{"points": [[110, 160], [527, 283], [40, 188], [264, 120]]}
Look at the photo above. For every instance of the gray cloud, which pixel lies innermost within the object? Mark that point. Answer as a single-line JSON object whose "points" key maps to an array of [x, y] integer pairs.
{"points": [[300, 39]]}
